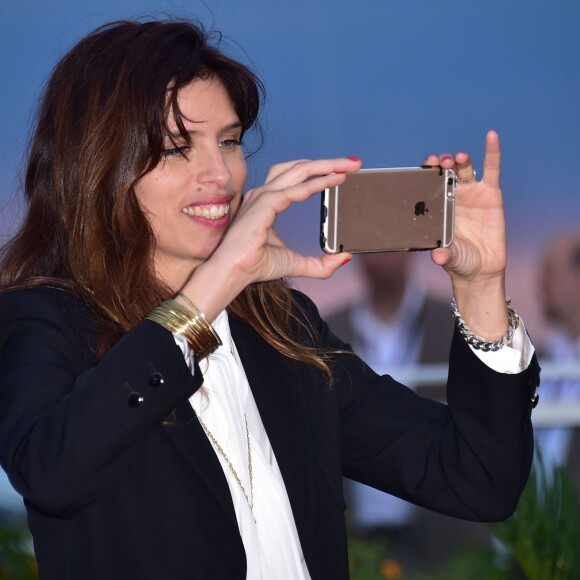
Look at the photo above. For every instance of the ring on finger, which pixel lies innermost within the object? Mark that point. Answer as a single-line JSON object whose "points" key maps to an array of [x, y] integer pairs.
{"points": [[466, 181]]}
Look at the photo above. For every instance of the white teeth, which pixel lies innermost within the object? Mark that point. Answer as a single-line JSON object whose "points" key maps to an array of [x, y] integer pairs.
{"points": [[211, 212]]}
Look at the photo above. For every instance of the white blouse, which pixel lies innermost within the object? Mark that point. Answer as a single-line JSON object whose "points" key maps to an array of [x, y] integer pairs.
{"points": [[224, 403]]}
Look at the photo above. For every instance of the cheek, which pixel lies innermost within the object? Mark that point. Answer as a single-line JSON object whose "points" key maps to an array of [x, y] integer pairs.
{"points": [[145, 190], [239, 173], [151, 193]]}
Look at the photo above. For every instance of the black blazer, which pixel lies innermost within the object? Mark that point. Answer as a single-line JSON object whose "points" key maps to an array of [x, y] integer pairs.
{"points": [[114, 493]]}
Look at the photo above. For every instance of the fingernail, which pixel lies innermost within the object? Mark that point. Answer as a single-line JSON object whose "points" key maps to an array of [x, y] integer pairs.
{"points": [[446, 158], [346, 261], [353, 158]]}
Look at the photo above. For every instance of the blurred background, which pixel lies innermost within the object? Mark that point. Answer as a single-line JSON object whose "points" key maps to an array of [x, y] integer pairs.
{"points": [[386, 81]]}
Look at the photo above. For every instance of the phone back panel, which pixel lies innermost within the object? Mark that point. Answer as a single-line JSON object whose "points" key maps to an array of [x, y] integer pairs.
{"points": [[389, 210]]}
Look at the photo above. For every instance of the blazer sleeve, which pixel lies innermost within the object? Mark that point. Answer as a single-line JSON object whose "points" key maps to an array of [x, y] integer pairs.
{"points": [[470, 458], [66, 425]]}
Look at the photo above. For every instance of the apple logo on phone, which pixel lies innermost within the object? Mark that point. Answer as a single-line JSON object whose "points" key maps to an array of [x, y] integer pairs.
{"points": [[420, 208]]}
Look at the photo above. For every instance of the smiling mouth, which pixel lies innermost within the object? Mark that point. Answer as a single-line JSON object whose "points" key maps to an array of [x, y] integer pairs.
{"points": [[210, 211]]}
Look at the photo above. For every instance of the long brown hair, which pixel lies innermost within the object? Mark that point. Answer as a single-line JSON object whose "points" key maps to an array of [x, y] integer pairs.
{"points": [[101, 127]]}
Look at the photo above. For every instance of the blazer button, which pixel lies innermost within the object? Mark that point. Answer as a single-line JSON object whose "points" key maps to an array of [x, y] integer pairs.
{"points": [[135, 399], [156, 379]]}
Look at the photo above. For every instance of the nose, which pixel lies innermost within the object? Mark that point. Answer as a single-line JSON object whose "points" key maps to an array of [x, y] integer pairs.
{"points": [[212, 167]]}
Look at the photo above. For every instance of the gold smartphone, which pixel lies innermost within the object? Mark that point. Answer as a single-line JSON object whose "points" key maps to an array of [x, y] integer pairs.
{"points": [[389, 210]]}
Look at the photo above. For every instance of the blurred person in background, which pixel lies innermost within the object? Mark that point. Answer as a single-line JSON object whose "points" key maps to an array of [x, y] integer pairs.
{"points": [[397, 326], [560, 299]]}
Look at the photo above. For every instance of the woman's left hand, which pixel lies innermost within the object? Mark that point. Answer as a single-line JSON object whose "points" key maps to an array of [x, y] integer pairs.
{"points": [[478, 251], [476, 260]]}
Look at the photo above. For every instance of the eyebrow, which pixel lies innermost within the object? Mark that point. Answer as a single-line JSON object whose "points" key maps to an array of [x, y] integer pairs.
{"points": [[225, 129]]}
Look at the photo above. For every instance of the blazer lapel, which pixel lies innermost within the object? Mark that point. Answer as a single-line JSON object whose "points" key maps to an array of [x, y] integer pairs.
{"points": [[187, 435], [277, 386]]}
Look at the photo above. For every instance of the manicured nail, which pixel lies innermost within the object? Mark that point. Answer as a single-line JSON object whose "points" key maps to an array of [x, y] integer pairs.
{"points": [[446, 158], [346, 261], [353, 158]]}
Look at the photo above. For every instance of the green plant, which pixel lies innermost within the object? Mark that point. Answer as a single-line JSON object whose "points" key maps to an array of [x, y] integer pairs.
{"points": [[369, 560], [16, 558], [472, 563], [543, 535]]}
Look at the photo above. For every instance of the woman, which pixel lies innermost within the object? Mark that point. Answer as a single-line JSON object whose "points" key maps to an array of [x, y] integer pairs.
{"points": [[143, 447]]}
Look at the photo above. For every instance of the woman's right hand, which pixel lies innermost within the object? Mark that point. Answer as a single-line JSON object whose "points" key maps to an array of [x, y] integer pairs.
{"points": [[251, 251]]}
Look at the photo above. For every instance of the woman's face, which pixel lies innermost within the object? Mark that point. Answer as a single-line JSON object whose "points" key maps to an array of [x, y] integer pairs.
{"points": [[193, 193]]}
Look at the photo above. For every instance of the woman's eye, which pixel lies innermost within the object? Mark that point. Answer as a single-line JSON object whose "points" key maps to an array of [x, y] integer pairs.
{"points": [[174, 151], [229, 144]]}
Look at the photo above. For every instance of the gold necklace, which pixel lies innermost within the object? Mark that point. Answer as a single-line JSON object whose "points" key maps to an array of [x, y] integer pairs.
{"points": [[210, 436]]}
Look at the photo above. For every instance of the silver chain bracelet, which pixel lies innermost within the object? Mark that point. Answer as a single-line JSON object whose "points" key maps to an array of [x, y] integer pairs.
{"points": [[480, 343]]}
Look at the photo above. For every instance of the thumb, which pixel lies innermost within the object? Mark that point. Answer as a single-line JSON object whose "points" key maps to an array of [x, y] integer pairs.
{"points": [[460, 258], [320, 268], [441, 256]]}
